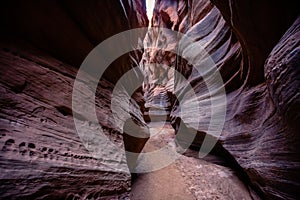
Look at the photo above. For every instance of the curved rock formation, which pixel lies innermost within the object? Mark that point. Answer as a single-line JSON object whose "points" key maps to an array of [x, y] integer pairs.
{"points": [[262, 120], [43, 43], [259, 25], [42, 46]]}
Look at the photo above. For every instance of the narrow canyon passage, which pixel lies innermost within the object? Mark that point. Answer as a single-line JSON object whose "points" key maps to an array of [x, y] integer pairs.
{"points": [[75, 120], [188, 178]]}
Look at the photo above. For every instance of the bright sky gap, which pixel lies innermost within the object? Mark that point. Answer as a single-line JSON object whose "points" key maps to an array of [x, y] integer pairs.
{"points": [[149, 8]]}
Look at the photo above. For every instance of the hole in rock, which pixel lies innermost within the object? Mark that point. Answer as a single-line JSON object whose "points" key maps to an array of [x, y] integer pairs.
{"points": [[45, 43], [9, 142]]}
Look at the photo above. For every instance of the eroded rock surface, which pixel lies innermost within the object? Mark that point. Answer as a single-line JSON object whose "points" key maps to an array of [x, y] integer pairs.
{"points": [[42, 46], [261, 124], [41, 153]]}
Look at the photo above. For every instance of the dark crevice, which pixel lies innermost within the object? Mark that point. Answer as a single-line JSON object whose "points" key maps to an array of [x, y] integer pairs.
{"points": [[19, 88], [65, 111]]}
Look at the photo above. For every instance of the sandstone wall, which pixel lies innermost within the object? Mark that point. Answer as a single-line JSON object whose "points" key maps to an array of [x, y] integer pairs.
{"points": [[261, 124], [43, 43]]}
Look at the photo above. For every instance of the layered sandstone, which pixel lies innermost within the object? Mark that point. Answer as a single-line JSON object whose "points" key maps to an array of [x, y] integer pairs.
{"points": [[43, 43], [262, 98]]}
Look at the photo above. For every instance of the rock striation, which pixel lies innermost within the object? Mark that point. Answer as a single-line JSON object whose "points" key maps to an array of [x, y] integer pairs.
{"points": [[42, 46], [252, 44], [260, 76]]}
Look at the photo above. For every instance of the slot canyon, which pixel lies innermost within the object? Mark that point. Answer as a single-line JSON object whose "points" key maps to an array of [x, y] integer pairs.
{"points": [[200, 100]]}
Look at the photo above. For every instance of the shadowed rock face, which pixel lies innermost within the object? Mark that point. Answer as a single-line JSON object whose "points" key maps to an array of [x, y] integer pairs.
{"points": [[261, 78], [42, 46], [259, 25], [43, 43]]}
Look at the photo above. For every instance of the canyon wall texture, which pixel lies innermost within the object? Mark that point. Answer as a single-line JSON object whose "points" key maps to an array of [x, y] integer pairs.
{"points": [[261, 78], [43, 43], [254, 45]]}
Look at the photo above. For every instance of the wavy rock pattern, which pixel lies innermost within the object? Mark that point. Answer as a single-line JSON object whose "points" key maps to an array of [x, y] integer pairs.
{"points": [[41, 155], [262, 117]]}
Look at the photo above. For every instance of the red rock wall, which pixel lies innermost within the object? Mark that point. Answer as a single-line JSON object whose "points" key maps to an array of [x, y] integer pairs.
{"points": [[42, 45], [261, 124], [259, 25]]}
